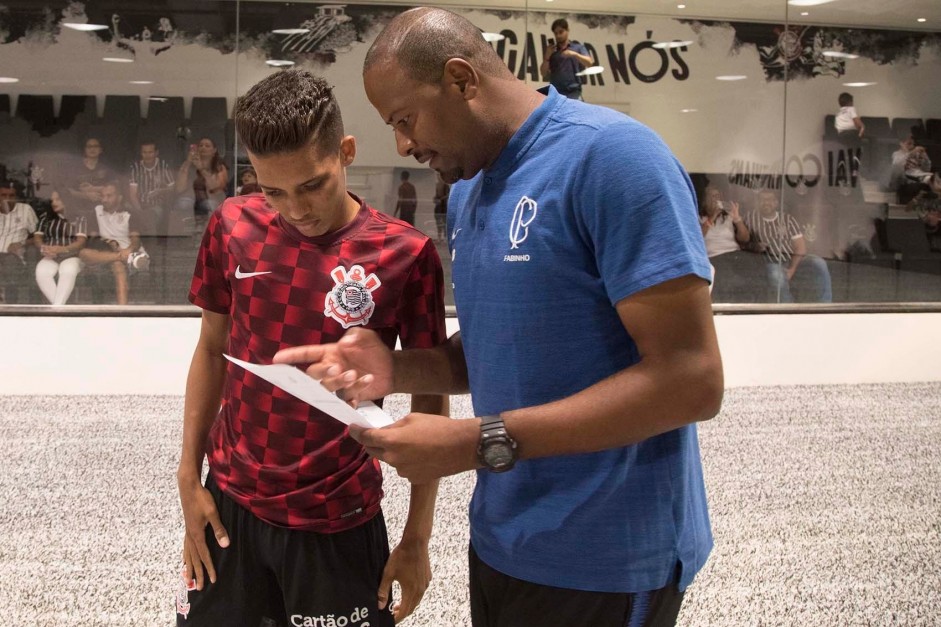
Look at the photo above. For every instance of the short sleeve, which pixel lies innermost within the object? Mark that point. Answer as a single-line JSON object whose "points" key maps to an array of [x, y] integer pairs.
{"points": [[421, 309], [638, 211], [210, 289]]}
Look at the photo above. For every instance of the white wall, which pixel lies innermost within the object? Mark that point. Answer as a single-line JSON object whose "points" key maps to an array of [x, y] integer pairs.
{"points": [[151, 355]]}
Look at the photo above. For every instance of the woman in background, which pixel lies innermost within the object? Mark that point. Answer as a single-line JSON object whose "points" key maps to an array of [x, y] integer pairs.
{"points": [[201, 180], [59, 241]]}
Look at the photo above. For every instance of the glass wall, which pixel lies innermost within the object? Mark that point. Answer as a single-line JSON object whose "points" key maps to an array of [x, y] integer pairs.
{"points": [[121, 108]]}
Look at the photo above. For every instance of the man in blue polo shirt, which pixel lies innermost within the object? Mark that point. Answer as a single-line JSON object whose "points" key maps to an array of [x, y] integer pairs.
{"points": [[587, 341], [564, 60]]}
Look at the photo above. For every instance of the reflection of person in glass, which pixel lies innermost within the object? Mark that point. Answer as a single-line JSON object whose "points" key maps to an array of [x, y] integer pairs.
{"points": [[442, 191], [563, 60], [407, 201], [790, 268]]}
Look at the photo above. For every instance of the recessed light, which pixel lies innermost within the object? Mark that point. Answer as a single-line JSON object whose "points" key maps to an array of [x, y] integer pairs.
{"points": [[671, 44], [836, 54], [291, 31], [141, 82], [731, 77], [279, 63], [9, 79], [921, 19], [860, 84], [808, 3], [681, 6], [117, 59], [85, 27], [688, 110], [805, 13], [158, 99], [491, 37]]}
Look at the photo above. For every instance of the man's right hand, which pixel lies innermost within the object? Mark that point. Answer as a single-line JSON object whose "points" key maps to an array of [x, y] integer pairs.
{"points": [[199, 510], [359, 365]]}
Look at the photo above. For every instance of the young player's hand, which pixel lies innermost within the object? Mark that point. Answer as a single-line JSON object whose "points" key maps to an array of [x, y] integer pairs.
{"points": [[409, 565], [199, 510], [358, 367]]}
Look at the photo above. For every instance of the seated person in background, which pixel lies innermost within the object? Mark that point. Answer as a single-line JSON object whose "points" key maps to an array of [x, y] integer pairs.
{"points": [[82, 179], [201, 180], [789, 267], [247, 177], [927, 204], [725, 234], [115, 241], [151, 185], [918, 168], [17, 222], [59, 240]]}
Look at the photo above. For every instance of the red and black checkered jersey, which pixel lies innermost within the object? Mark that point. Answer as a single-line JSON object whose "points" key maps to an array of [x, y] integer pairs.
{"points": [[283, 460]]}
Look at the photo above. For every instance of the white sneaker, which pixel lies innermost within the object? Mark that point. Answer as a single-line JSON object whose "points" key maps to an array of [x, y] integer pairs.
{"points": [[138, 261]]}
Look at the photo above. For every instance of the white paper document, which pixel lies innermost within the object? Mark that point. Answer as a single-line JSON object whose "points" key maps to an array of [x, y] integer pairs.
{"points": [[297, 383]]}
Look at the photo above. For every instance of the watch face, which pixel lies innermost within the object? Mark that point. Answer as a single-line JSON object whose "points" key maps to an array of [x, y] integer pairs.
{"points": [[499, 456]]}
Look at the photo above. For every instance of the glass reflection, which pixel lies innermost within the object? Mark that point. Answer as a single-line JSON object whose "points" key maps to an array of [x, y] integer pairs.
{"points": [[745, 103]]}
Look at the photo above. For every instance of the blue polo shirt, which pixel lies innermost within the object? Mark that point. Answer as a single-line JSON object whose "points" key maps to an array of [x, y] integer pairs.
{"points": [[584, 207]]}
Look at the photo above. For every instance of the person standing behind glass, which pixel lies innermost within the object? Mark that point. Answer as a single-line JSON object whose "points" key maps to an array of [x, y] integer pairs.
{"points": [[201, 180], [442, 191], [564, 60], [59, 241]]}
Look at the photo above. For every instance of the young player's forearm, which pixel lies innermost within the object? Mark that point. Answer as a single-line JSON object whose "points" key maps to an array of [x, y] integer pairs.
{"points": [[203, 396], [439, 370], [421, 510]]}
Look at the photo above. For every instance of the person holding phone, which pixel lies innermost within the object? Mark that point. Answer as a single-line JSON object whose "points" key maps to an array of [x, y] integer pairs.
{"points": [[563, 60], [201, 180]]}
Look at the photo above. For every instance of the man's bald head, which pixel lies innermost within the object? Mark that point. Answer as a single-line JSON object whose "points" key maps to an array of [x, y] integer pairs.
{"points": [[422, 40]]}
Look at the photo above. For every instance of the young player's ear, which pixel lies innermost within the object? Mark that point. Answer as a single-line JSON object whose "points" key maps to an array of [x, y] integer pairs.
{"points": [[347, 150]]}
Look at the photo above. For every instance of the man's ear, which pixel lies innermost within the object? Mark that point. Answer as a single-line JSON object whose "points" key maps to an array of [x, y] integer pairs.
{"points": [[461, 75], [347, 150]]}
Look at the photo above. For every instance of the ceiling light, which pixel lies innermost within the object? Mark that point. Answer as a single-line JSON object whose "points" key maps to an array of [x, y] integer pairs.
{"points": [[681, 6], [688, 110], [85, 27], [836, 54], [279, 63], [671, 44], [291, 31], [808, 3], [158, 99], [491, 37], [117, 59], [805, 13], [731, 77], [141, 82], [921, 19], [9, 79], [859, 84]]}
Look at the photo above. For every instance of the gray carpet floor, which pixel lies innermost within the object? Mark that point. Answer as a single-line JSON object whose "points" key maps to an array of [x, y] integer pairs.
{"points": [[826, 506]]}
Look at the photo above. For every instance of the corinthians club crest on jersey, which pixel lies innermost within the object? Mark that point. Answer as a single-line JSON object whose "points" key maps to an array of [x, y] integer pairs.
{"points": [[350, 301]]}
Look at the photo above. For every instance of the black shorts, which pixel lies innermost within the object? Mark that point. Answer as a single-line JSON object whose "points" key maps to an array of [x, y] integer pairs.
{"points": [[498, 600], [276, 577]]}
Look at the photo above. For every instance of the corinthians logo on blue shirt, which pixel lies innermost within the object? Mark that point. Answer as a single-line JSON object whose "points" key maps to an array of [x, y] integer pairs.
{"points": [[523, 216], [350, 302]]}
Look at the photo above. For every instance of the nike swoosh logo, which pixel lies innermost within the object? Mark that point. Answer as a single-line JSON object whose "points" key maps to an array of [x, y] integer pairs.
{"points": [[244, 275]]}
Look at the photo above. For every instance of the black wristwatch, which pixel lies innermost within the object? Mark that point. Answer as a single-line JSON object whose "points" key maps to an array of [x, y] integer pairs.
{"points": [[497, 450]]}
